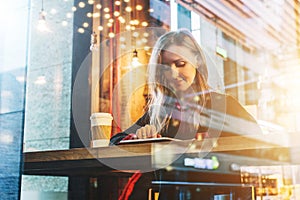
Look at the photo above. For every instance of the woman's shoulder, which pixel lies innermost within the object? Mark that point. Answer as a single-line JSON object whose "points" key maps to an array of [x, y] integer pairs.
{"points": [[228, 104], [222, 97], [216, 101]]}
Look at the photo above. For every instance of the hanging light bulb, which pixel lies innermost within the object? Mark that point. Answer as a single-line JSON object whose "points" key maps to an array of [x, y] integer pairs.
{"points": [[94, 42], [135, 60], [42, 25]]}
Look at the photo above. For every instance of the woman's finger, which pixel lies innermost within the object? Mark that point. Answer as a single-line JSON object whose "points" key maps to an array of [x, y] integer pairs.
{"points": [[148, 131], [153, 131]]}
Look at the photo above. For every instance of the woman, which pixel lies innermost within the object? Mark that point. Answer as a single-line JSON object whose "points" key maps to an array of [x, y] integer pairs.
{"points": [[182, 104]]}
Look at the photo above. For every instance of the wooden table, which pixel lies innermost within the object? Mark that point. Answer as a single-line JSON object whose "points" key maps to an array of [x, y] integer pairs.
{"points": [[145, 156], [106, 165]]}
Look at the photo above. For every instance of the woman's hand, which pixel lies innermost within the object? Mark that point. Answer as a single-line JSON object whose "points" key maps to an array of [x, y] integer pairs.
{"points": [[148, 131]]}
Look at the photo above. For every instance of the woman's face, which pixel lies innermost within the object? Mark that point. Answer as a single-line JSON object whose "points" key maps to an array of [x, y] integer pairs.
{"points": [[178, 67]]}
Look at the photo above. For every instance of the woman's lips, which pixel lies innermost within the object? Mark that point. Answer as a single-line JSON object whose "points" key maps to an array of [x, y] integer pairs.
{"points": [[180, 78], [178, 81]]}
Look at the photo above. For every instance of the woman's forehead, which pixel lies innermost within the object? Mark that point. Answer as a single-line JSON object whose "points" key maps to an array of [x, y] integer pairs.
{"points": [[175, 52]]}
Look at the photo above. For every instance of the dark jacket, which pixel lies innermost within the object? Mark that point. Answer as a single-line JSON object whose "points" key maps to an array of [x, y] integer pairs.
{"points": [[222, 115]]}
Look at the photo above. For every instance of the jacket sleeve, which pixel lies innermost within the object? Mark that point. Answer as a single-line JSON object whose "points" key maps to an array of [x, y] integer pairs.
{"points": [[145, 119], [228, 117], [243, 120]]}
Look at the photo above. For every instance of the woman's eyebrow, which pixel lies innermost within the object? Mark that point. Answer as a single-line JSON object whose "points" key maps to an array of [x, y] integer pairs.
{"points": [[174, 61]]}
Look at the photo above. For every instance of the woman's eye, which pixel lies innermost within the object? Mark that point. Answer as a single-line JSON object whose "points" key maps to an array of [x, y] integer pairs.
{"points": [[180, 63]]}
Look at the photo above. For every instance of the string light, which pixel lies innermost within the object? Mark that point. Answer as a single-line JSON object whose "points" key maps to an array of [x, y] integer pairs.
{"points": [[94, 42], [99, 6], [135, 60], [119, 15], [139, 7], [111, 34], [89, 15], [42, 25], [128, 9], [81, 4], [96, 15]]}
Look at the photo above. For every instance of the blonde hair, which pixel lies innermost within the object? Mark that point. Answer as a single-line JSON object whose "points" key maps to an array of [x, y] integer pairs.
{"points": [[163, 98]]}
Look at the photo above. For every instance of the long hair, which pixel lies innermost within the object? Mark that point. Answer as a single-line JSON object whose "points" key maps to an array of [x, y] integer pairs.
{"points": [[162, 97]]}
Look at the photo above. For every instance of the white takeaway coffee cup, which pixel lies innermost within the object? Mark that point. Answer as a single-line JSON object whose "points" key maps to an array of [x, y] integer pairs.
{"points": [[101, 124]]}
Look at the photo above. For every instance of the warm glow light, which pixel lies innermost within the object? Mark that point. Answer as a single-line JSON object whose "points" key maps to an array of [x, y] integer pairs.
{"points": [[135, 60], [98, 6], [117, 3], [116, 13], [123, 46], [122, 39], [96, 14], [151, 10], [126, 1], [134, 22], [138, 43], [196, 98], [109, 24], [81, 4], [139, 7], [144, 23], [128, 9], [90, 2], [144, 40], [107, 16], [53, 11], [80, 30], [69, 15], [147, 48], [100, 28], [85, 24], [135, 34], [74, 8], [42, 25], [146, 34], [111, 20], [64, 23], [111, 35], [121, 19], [128, 27], [106, 9], [89, 14]]}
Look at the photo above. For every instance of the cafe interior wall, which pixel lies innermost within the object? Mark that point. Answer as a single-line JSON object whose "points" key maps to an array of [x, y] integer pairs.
{"points": [[48, 92], [49, 89]]}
